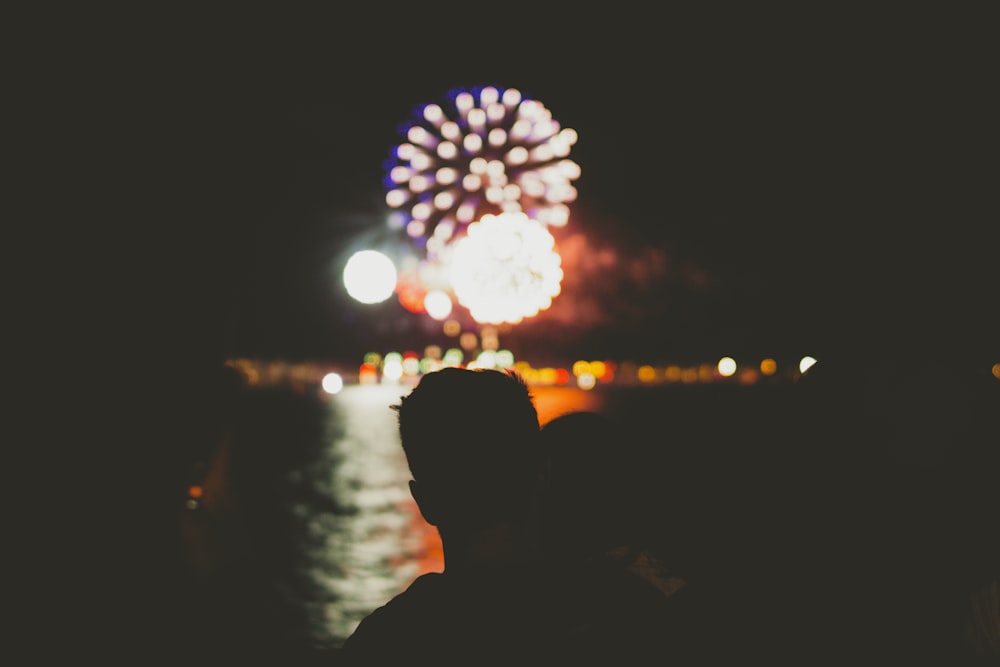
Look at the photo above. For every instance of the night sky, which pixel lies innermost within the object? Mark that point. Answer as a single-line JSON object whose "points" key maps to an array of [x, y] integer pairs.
{"points": [[754, 189]]}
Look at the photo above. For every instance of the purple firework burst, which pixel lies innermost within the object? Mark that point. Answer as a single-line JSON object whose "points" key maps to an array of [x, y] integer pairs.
{"points": [[487, 151]]}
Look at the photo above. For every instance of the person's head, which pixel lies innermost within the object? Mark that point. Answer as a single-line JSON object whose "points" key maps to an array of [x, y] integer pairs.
{"points": [[590, 494], [470, 439]]}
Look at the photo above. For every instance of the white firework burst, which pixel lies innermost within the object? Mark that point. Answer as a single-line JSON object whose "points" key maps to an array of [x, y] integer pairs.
{"points": [[505, 268], [491, 152]]}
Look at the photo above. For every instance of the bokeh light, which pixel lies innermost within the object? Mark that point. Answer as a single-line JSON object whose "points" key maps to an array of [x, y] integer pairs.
{"points": [[504, 359], [453, 357], [332, 383], [438, 304], [805, 362], [392, 367], [370, 276]]}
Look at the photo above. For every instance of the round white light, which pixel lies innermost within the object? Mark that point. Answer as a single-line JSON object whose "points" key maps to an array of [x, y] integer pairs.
{"points": [[370, 276], [332, 383], [726, 366], [437, 304]]}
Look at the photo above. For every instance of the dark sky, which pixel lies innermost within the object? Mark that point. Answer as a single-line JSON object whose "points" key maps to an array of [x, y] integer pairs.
{"points": [[755, 188]]}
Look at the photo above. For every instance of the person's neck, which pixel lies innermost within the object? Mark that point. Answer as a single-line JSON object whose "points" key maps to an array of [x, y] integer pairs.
{"points": [[498, 545]]}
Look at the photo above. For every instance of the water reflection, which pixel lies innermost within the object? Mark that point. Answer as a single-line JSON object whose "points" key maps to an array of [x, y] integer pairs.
{"points": [[378, 542]]}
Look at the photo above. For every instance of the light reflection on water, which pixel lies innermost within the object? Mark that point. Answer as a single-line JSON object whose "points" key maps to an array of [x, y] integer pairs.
{"points": [[378, 543]]}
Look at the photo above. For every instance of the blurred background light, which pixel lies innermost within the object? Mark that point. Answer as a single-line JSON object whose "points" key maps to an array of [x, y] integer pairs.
{"points": [[332, 383], [726, 366], [370, 276], [805, 362]]}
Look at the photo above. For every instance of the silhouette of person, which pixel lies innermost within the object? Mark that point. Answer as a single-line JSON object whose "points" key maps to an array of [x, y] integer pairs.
{"points": [[471, 442], [241, 549], [905, 548], [617, 597]]}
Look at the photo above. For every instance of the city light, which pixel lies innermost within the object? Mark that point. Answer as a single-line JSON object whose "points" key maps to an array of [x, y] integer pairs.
{"points": [[726, 366], [805, 363], [332, 383]]}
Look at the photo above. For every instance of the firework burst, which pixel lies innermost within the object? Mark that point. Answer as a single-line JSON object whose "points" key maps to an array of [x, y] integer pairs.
{"points": [[488, 151], [505, 268]]}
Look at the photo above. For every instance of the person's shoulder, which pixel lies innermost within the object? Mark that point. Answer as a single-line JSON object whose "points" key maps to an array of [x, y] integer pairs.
{"points": [[403, 614], [432, 602], [448, 619], [421, 592]]}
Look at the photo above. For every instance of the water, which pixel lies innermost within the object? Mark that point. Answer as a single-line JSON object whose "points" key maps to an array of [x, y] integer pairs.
{"points": [[379, 547]]}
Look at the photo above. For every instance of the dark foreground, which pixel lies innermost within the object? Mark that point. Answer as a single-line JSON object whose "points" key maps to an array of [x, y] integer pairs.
{"points": [[804, 529]]}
